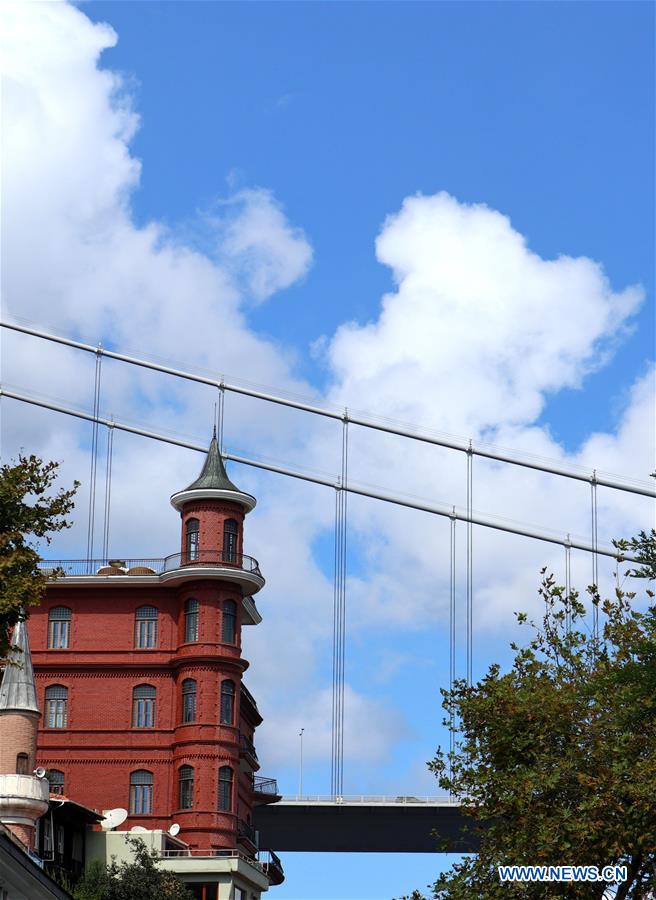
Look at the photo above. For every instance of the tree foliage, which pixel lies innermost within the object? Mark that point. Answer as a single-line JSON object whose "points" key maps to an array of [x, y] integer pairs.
{"points": [[556, 759], [137, 880], [28, 513]]}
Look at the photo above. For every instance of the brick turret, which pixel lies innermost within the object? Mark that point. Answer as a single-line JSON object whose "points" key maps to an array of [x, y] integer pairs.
{"points": [[23, 796]]}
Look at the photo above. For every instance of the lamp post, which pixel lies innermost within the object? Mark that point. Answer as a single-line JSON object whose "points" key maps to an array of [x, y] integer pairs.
{"points": [[300, 773]]}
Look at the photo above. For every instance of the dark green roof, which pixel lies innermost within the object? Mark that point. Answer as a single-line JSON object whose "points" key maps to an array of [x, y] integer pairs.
{"points": [[213, 474]]}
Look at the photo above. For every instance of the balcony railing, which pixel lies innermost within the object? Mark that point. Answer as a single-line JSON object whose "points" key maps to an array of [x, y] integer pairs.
{"points": [[271, 865], [262, 785], [247, 747], [149, 565], [244, 830]]}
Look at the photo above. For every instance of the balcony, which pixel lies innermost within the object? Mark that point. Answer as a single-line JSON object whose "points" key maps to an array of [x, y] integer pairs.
{"points": [[272, 866], [23, 798], [247, 750], [174, 569], [246, 833], [265, 790]]}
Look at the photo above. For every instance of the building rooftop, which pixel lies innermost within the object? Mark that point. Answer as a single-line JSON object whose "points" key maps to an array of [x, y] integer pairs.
{"points": [[18, 692], [213, 482], [213, 474]]}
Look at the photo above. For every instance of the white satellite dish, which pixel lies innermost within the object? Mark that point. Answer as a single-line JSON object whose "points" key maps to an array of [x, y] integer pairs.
{"points": [[138, 829], [113, 818], [174, 829]]}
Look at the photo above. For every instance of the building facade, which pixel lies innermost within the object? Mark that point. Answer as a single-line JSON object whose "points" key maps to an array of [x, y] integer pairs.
{"points": [[139, 673]]}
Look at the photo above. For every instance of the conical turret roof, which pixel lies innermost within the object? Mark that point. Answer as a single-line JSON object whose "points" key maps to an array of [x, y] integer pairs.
{"points": [[18, 691], [213, 482], [213, 474]]}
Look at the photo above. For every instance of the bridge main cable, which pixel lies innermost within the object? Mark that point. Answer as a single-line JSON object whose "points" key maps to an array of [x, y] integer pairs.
{"points": [[464, 446], [444, 510]]}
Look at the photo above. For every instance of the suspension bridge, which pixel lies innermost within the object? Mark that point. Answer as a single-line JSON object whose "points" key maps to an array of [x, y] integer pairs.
{"points": [[337, 822]]}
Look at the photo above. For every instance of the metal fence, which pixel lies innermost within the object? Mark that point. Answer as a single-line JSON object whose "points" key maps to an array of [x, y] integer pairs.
{"points": [[61, 568]]}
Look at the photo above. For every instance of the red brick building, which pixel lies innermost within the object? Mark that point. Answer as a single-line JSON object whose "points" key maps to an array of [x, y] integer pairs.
{"points": [[139, 674]]}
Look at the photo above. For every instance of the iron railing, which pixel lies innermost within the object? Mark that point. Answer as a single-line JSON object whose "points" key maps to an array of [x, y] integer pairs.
{"points": [[154, 566], [263, 785], [270, 861], [246, 830], [246, 694], [210, 853], [372, 800], [247, 746]]}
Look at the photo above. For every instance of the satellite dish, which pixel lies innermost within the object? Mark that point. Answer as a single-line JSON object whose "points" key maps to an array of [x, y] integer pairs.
{"points": [[174, 829], [139, 829], [113, 818], [40, 772]]}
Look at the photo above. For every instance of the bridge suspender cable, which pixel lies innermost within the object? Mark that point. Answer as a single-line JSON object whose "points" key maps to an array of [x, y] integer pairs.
{"points": [[339, 619], [568, 584], [504, 525], [108, 489], [452, 637], [94, 453], [452, 443], [470, 570], [595, 560]]}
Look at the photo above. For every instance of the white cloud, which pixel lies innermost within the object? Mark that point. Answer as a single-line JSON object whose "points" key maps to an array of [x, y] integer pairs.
{"points": [[259, 245]]}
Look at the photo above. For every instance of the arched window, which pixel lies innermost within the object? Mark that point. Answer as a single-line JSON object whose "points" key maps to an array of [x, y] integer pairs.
{"points": [[185, 787], [56, 781], [141, 793], [225, 789], [22, 760], [192, 529], [229, 622], [56, 706], [145, 628], [189, 700], [227, 702], [59, 628], [230, 530], [143, 706], [191, 612]]}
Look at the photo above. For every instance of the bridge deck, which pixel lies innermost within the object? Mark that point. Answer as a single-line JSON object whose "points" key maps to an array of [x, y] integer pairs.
{"points": [[364, 825]]}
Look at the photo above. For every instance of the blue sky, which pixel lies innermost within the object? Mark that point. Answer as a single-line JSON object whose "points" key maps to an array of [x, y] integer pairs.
{"points": [[283, 192]]}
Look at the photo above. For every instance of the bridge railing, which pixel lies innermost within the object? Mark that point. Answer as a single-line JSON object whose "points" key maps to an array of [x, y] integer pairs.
{"points": [[373, 799]]}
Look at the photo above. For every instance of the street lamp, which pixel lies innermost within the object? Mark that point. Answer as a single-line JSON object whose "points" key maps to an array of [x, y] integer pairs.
{"points": [[300, 774]]}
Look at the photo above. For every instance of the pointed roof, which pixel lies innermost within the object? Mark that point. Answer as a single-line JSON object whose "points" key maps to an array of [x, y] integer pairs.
{"points": [[213, 483], [18, 691], [213, 474]]}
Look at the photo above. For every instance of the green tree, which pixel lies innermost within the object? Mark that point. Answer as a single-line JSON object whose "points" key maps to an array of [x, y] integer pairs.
{"points": [[137, 880], [28, 514], [555, 760]]}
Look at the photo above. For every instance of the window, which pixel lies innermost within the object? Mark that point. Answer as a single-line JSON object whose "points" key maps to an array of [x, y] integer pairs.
{"points": [[141, 793], [186, 787], [227, 702], [229, 622], [145, 628], [225, 789], [191, 539], [47, 837], [143, 706], [56, 706], [189, 700], [229, 540], [60, 835], [22, 761], [191, 612], [56, 781], [59, 628]]}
